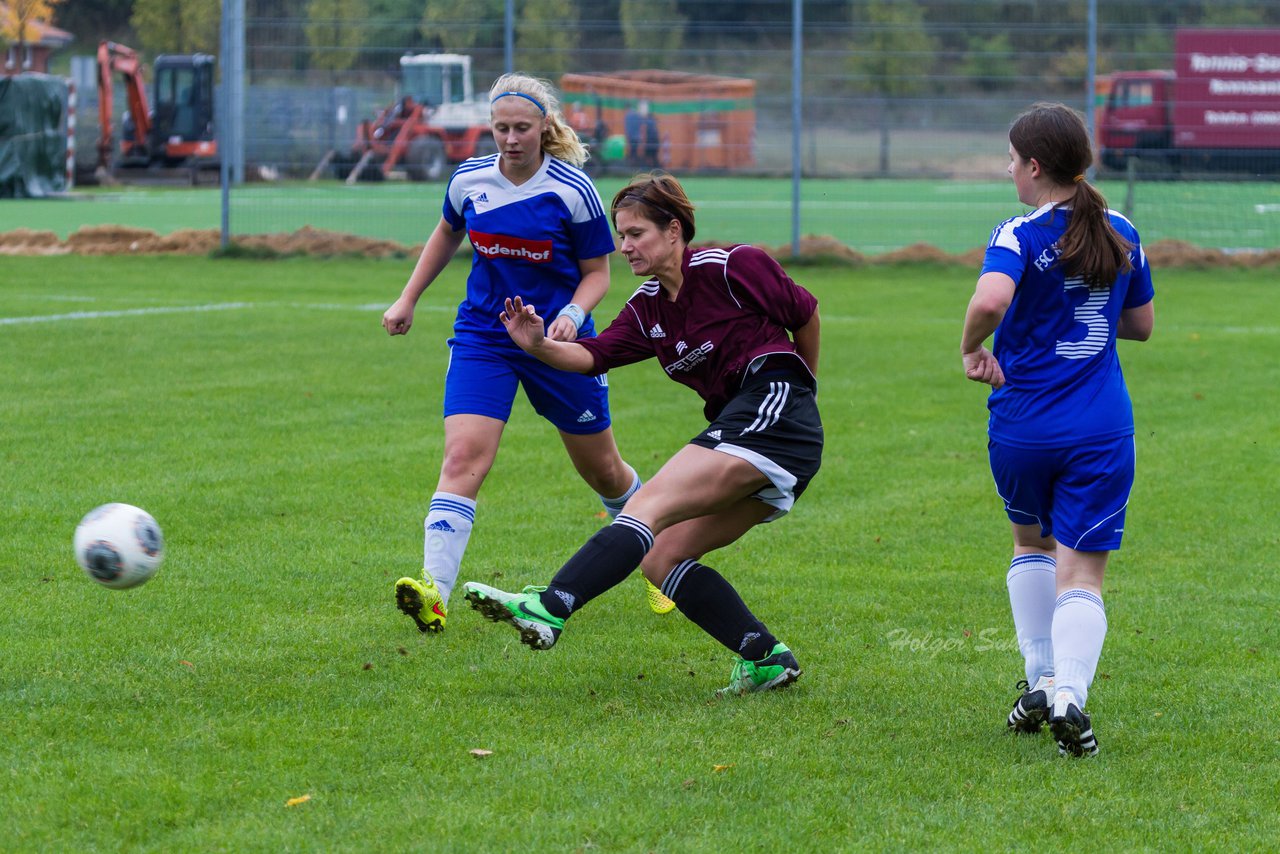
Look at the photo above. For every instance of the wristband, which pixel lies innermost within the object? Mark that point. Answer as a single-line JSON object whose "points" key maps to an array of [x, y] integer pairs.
{"points": [[575, 313]]}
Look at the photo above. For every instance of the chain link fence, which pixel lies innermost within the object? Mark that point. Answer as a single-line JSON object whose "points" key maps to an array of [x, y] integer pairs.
{"points": [[904, 105]]}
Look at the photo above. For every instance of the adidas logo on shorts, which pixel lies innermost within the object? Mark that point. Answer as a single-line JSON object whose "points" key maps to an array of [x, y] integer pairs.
{"points": [[587, 415], [714, 434]]}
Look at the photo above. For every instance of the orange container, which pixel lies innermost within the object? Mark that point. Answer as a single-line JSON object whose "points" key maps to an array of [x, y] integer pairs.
{"points": [[673, 119]]}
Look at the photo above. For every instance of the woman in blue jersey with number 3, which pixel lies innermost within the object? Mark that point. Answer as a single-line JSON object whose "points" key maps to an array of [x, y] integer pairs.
{"points": [[1058, 287], [536, 224]]}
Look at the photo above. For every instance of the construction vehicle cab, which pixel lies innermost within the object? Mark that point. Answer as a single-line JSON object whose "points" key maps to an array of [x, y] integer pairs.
{"points": [[175, 129], [182, 121], [435, 121]]}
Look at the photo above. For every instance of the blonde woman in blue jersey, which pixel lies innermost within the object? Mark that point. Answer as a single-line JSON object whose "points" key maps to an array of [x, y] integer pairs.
{"points": [[1058, 286], [536, 223]]}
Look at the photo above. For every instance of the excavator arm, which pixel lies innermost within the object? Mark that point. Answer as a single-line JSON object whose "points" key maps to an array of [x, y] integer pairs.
{"points": [[112, 59]]}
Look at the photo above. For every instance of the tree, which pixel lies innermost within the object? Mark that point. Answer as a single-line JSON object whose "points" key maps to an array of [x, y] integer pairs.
{"points": [[177, 26], [651, 25], [462, 27], [989, 62], [18, 19], [891, 57], [546, 34], [335, 32], [91, 21]]}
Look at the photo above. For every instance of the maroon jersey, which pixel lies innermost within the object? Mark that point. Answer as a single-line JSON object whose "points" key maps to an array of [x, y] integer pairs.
{"points": [[736, 305]]}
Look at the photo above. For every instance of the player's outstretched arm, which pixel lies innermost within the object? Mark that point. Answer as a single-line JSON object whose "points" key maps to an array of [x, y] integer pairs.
{"points": [[526, 329], [440, 248]]}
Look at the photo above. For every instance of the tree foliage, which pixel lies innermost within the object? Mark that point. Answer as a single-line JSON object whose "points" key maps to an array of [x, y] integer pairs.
{"points": [[457, 28], [651, 26], [19, 17], [335, 32], [91, 21], [892, 50], [177, 26], [546, 33]]}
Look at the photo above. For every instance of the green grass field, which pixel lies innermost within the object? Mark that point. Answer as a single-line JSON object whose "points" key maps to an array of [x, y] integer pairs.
{"points": [[872, 216], [288, 448]]}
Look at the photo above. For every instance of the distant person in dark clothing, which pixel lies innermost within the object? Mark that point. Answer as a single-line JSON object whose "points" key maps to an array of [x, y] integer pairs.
{"points": [[643, 140]]}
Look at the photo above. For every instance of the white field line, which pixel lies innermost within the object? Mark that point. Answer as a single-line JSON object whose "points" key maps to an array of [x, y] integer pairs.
{"points": [[188, 309], [378, 306], [124, 312]]}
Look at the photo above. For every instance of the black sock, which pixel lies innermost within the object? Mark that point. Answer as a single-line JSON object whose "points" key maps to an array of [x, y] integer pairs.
{"points": [[709, 601], [602, 562]]}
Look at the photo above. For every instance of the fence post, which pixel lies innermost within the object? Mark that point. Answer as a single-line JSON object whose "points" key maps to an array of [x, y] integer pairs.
{"points": [[797, 94], [1131, 178], [230, 109]]}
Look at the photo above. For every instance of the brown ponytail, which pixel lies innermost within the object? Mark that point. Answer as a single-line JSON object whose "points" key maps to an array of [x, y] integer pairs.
{"points": [[1056, 137]]}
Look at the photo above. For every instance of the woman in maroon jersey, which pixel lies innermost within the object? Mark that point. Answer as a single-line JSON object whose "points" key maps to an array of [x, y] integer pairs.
{"points": [[730, 324]]}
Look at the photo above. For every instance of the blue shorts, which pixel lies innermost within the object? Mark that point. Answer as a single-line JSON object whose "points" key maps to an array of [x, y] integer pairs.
{"points": [[481, 380], [1077, 495]]}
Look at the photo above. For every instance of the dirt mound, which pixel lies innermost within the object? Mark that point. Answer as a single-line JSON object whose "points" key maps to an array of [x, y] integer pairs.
{"points": [[108, 239], [27, 241], [1176, 253], [316, 241], [123, 240], [916, 253]]}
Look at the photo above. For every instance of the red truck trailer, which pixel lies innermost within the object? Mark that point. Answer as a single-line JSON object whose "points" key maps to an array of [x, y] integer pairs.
{"points": [[1218, 108]]}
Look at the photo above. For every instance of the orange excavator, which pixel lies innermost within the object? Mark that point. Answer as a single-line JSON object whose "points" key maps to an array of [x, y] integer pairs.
{"points": [[177, 131]]}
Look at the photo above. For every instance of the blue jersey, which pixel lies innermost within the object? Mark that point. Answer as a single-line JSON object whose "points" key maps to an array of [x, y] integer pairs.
{"points": [[1057, 342], [526, 240]]}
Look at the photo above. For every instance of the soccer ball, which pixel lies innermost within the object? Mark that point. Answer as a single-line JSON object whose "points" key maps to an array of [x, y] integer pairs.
{"points": [[119, 545]]}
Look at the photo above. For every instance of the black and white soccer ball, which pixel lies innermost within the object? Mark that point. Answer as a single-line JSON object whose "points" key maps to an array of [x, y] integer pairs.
{"points": [[119, 545]]}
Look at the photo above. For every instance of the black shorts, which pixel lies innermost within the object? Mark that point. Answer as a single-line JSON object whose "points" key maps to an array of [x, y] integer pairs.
{"points": [[772, 423]]}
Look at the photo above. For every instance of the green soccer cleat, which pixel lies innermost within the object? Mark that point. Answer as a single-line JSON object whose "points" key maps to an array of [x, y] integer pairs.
{"points": [[777, 670], [538, 629], [421, 601]]}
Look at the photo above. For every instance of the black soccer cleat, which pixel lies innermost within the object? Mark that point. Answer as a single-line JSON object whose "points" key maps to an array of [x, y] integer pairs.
{"points": [[1071, 728], [1032, 708]]}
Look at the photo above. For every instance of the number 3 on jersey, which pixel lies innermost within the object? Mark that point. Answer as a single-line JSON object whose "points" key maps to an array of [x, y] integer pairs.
{"points": [[1090, 314]]}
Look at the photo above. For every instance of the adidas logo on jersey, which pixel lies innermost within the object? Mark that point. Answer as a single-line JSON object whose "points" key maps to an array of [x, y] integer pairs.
{"points": [[657, 331], [714, 434], [483, 197], [587, 415], [442, 525]]}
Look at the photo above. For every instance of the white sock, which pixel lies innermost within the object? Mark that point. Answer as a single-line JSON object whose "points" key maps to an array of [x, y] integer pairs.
{"points": [[1079, 627], [445, 533], [613, 506], [1031, 596]]}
